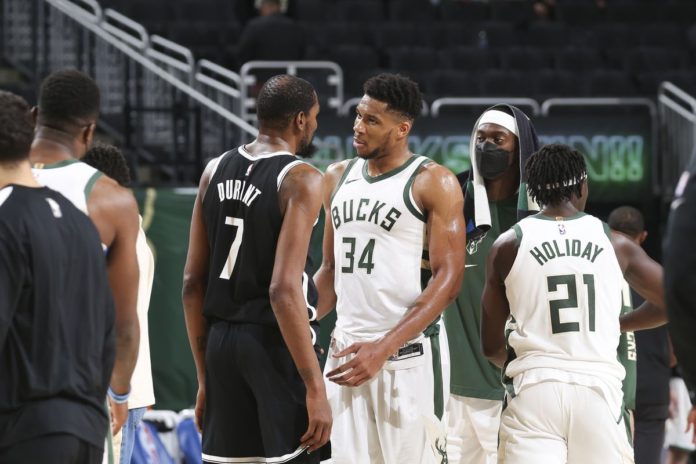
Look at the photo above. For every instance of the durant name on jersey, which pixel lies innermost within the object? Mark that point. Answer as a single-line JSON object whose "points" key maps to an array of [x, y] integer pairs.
{"points": [[238, 190]]}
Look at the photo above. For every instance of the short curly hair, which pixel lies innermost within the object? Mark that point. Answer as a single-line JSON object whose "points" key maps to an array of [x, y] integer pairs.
{"points": [[16, 128], [400, 93], [554, 174], [68, 98], [281, 98], [109, 160]]}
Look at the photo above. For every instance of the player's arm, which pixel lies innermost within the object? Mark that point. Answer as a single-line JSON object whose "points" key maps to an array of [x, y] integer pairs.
{"points": [[644, 275], [324, 277], [193, 291], [495, 308], [438, 193], [114, 211], [300, 201]]}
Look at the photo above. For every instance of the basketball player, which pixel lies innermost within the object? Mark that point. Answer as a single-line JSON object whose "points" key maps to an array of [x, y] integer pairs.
{"points": [[557, 276], [65, 121], [249, 303], [495, 198], [56, 313], [388, 211], [109, 160]]}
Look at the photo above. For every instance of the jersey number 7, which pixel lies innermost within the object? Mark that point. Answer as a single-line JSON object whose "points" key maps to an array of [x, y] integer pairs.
{"points": [[238, 223]]}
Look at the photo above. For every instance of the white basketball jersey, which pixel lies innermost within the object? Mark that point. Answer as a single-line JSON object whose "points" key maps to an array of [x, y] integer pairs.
{"points": [[564, 290], [72, 178], [379, 240]]}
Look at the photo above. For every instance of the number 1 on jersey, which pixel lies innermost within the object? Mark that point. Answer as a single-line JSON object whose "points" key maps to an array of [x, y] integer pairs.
{"points": [[234, 249]]}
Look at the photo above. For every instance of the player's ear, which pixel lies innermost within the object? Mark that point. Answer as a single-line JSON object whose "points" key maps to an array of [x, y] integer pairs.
{"points": [[300, 120], [87, 134], [643, 235], [404, 128]]}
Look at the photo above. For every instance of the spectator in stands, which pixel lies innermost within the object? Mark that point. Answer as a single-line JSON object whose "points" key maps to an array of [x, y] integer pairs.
{"points": [[653, 365], [271, 36], [109, 160], [545, 10]]}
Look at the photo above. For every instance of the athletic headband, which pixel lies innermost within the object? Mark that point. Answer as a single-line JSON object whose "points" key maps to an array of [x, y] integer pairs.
{"points": [[566, 183], [500, 118]]}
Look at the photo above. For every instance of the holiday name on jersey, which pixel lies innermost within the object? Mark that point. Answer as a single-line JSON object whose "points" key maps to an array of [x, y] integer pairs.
{"points": [[363, 210], [237, 190], [551, 250]]}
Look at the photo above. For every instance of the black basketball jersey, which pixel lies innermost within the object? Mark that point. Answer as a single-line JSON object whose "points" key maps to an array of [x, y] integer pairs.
{"points": [[56, 319], [243, 220]]}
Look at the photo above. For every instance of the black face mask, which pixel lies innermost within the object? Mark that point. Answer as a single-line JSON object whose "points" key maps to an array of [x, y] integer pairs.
{"points": [[491, 160]]}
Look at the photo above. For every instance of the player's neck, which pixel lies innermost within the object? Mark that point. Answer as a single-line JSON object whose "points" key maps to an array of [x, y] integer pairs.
{"points": [[388, 161], [51, 146], [565, 209], [268, 143], [504, 187], [18, 174]]}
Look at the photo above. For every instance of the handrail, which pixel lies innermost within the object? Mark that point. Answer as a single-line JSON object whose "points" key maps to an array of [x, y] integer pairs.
{"points": [[290, 67], [78, 7], [152, 67], [601, 101], [685, 98], [119, 25], [209, 66], [482, 101], [186, 64]]}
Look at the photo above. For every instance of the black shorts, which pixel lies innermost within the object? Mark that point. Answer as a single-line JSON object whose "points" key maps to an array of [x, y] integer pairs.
{"points": [[255, 405]]}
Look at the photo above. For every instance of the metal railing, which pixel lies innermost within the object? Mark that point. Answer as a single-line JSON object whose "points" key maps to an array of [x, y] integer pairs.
{"points": [[150, 102], [677, 114], [328, 82], [470, 102]]}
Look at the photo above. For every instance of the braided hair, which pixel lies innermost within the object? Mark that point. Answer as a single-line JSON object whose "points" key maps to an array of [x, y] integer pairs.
{"points": [[554, 174]]}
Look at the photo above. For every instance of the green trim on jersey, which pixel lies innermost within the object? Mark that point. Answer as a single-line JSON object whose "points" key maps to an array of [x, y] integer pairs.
{"points": [[542, 216], [59, 164], [626, 354], [90, 183], [388, 174], [407, 192], [343, 178], [607, 230], [518, 233], [433, 333]]}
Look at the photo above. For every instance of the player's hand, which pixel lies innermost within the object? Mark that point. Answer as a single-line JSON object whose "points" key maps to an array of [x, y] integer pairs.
{"points": [[200, 408], [368, 360], [690, 421], [119, 415], [319, 429]]}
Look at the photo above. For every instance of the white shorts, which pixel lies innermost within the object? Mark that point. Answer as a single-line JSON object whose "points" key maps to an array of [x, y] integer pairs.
{"points": [[472, 430], [675, 430], [391, 418], [559, 423]]}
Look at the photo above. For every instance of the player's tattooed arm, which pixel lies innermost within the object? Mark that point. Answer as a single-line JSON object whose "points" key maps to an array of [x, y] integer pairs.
{"points": [[495, 308], [324, 277]]}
